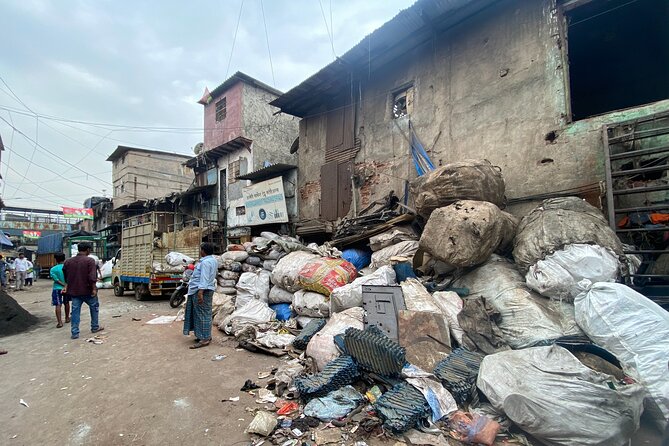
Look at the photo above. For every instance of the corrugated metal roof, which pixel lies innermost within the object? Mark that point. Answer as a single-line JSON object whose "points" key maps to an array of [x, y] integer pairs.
{"points": [[408, 29], [242, 77], [121, 150], [213, 154], [267, 172]]}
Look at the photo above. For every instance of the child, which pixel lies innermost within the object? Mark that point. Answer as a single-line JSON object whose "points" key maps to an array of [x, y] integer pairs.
{"points": [[57, 297]]}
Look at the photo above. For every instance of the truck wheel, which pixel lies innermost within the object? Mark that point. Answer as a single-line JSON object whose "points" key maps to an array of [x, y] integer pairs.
{"points": [[119, 290], [140, 292]]}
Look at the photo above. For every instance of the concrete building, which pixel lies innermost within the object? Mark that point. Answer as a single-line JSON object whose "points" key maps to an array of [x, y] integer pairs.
{"points": [[141, 174], [242, 134], [528, 85]]}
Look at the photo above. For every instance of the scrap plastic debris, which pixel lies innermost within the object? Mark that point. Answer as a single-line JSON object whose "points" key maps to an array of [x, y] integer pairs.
{"points": [[288, 408], [334, 405], [313, 327], [97, 340], [402, 408], [374, 351], [23, 403], [458, 372], [337, 373], [161, 320], [218, 358]]}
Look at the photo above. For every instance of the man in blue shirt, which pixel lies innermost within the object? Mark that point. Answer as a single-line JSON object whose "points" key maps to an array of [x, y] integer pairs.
{"points": [[200, 293]]}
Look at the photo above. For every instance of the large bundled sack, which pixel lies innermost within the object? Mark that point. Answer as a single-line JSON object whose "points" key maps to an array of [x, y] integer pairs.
{"points": [[235, 256], [451, 305], [402, 249], [322, 347], [392, 237], [278, 295], [287, 270], [551, 395], [222, 307], [360, 258], [559, 274], [308, 303], [106, 269], [324, 274], [349, 296], [636, 330], [252, 286], [465, 233], [559, 222], [466, 180], [177, 259], [255, 312], [526, 318]]}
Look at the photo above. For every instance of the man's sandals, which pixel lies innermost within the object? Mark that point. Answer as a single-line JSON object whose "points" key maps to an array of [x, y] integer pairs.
{"points": [[200, 344]]}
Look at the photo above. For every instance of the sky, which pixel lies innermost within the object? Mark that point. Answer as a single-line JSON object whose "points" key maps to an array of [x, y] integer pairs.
{"points": [[79, 77]]}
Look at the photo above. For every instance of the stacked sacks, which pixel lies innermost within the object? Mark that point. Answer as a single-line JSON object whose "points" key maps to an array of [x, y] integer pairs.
{"points": [[467, 232]]}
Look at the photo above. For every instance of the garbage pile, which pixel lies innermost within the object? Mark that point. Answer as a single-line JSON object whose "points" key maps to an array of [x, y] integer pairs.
{"points": [[474, 325]]}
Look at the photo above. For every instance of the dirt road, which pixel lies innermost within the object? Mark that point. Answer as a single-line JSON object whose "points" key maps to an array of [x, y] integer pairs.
{"points": [[141, 386]]}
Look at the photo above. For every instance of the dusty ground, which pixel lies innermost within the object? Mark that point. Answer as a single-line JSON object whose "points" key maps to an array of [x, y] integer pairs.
{"points": [[142, 386]]}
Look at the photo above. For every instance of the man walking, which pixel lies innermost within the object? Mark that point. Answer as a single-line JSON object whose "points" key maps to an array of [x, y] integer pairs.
{"points": [[80, 276], [200, 292], [20, 269]]}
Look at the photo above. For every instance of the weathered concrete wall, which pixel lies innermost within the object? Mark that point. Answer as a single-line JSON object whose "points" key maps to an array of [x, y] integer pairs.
{"points": [[220, 132], [493, 88], [272, 135], [234, 190], [140, 176]]}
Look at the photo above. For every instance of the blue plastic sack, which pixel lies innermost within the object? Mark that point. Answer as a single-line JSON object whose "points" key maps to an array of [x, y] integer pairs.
{"points": [[283, 311], [360, 258], [403, 271]]}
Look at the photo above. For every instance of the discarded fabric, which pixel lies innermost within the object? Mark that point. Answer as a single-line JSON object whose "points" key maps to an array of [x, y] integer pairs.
{"points": [[336, 404]]}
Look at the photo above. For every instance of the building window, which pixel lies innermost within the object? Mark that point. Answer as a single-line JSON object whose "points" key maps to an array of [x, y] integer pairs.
{"points": [[618, 54], [221, 110], [240, 210], [402, 102], [233, 169], [122, 187]]}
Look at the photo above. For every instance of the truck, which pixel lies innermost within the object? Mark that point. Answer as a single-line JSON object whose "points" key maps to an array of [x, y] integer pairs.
{"points": [[146, 239], [66, 242]]}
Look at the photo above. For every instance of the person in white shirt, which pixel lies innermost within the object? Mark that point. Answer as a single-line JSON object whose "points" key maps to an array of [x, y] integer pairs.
{"points": [[30, 273], [21, 268]]}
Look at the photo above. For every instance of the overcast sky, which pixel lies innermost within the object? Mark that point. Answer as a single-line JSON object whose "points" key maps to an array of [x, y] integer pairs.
{"points": [[144, 64]]}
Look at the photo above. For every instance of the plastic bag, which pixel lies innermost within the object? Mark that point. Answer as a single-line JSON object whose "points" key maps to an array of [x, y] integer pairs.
{"points": [[334, 405], [473, 428], [636, 330], [403, 249], [178, 259], [263, 424], [526, 317], [322, 347], [559, 222], [287, 270], [228, 275], [349, 296], [465, 233], [269, 264], [278, 295], [255, 312], [283, 311], [307, 303], [451, 304], [558, 275], [226, 283], [392, 237], [253, 260], [252, 286], [547, 392], [235, 256], [359, 258], [325, 274], [288, 371], [464, 180], [272, 339], [106, 270]]}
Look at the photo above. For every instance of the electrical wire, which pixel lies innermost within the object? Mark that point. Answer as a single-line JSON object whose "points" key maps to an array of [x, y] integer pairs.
{"points": [[32, 155], [234, 39], [45, 190], [269, 52], [327, 28], [9, 157], [603, 12]]}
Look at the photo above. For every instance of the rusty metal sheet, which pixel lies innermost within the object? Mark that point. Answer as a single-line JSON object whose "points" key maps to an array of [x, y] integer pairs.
{"points": [[425, 337], [344, 196]]}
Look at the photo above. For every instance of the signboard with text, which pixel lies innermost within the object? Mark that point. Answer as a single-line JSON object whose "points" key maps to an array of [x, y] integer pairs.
{"points": [[265, 203], [32, 234], [82, 213]]}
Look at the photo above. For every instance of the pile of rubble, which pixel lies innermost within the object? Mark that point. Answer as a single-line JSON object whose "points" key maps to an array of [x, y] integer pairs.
{"points": [[468, 324]]}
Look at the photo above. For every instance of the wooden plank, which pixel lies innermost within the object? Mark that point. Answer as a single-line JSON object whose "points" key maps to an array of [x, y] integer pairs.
{"points": [[344, 172], [329, 178]]}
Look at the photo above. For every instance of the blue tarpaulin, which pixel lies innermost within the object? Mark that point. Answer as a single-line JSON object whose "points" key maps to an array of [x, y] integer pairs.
{"points": [[420, 157], [4, 240]]}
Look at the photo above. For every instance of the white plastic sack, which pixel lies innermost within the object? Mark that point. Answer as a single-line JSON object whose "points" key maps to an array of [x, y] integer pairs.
{"points": [[350, 295], [177, 259], [402, 249], [158, 267], [235, 256], [287, 270], [272, 339], [106, 269], [255, 312], [252, 286], [526, 317], [558, 275], [263, 424], [303, 321], [228, 275], [321, 347], [225, 283], [307, 303], [450, 304], [551, 395], [224, 308], [288, 371], [636, 330], [392, 236], [278, 295]]}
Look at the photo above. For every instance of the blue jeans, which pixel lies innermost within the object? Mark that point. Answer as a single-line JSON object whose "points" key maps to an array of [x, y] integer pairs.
{"points": [[93, 305]]}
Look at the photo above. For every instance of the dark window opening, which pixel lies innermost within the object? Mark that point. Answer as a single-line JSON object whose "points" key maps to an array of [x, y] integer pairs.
{"points": [[618, 55], [221, 110], [240, 210], [402, 103]]}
